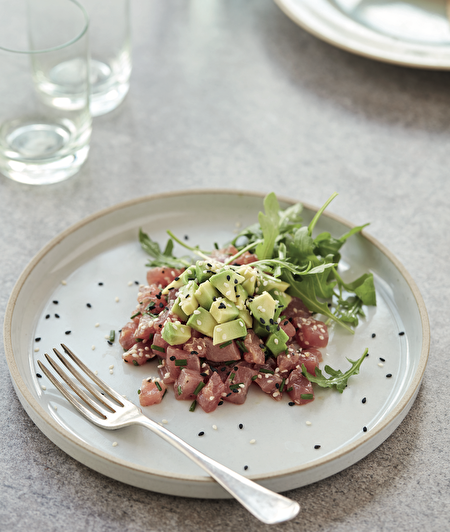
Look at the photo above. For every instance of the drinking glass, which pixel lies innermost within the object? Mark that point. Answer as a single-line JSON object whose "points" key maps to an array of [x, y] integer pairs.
{"points": [[45, 123], [110, 46]]}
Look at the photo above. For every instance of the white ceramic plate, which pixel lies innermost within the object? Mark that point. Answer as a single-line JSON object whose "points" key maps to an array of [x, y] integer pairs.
{"points": [[104, 248], [414, 33]]}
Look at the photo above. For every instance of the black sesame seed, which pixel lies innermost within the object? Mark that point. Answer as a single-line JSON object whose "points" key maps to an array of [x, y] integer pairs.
{"points": [[136, 282], [241, 426], [223, 369], [245, 467], [47, 317], [291, 403], [228, 277], [204, 374], [373, 335], [382, 359], [38, 375], [401, 333], [220, 403], [363, 400], [37, 339], [364, 429], [100, 284], [161, 305], [389, 375], [67, 332], [316, 446], [201, 433], [186, 237], [88, 305], [262, 320], [173, 358], [55, 302], [228, 394], [109, 342], [56, 315]]}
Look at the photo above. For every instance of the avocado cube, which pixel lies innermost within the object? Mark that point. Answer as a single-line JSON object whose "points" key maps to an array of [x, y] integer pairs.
{"points": [[251, 276], [178, 282], [222, 310], [202, 321], [263, 308], [178, 311], [245, 315], [188, 274], [260, 330], [230, 330], [205, 294], [225, 281], [241, 297], [188, 303], [268, 284], [276, 342], [175, 333], [282, 298], [203, 271]]}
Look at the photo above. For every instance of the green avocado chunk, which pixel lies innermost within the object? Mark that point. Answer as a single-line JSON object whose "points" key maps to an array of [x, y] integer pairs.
{"points": [[276, 342], [205, 294], [222, 310], [230, 330], [175, 333], [263, 308], [225, 281], [202, 321]]}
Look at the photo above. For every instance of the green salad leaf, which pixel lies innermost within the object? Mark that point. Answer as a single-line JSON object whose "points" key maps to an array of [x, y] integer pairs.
{"points": [[337, 379], [161, 258]]}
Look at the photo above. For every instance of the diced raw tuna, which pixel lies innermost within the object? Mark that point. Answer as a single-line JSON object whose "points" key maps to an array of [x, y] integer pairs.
{"points": [[298, 385], [311, 358], [313, 333], [127, 339], [222, 255], [172, 371], [162, 276], [210, 396], [195, 346], [186, 384], [159, 341], [150, 299], [138, 354], [296, 308], [271, 384], [237, 384], [254, 355], [152, 392], [215, 353], [287, 327], [287, 363]]}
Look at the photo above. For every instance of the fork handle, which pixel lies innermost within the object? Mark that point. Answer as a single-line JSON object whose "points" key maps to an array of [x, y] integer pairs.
{"points": [[267, 506]]}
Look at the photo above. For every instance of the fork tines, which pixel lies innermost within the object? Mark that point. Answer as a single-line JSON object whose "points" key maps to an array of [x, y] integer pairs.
{"points": [[111, 406]]}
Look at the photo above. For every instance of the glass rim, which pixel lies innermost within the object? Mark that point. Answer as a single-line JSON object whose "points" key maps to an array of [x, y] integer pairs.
{"points": [[60, 46]]}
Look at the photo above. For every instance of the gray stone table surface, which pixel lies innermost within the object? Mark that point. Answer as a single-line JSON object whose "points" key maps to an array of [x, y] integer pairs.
{"points": [[232, 94]]}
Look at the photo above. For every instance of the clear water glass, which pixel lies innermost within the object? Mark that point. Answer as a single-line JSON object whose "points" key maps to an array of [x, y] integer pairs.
{"points": [[45, 122], [110, 46]]}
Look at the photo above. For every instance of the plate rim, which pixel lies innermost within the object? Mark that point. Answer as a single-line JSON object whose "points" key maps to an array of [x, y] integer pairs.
{"points": [[405, 403], [406, 59]]}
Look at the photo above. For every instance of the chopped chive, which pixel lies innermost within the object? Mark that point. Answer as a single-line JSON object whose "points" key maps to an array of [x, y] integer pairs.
{"points": [[241, 345], [179, 390], [134, 315], [216, 245], [165, 391], [232, 375], [199, 387], [193, 405], [254, 377], [262, 370], [229, 362], [306, 396], [181, 362], [112, 335], [235, 386], [282, 385], [158, 386], [225, 344], [290, 389], [157, 348], [138, 339], [139, 391], [135, 363]]}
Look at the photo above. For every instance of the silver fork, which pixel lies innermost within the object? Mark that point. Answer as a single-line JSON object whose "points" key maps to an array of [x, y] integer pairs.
{"points": [[267, 506]]}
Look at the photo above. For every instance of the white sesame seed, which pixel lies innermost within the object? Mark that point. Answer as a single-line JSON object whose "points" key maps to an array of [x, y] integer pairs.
{"points": [[98, 325], [111, 366], [199, 322], [276, 394], [36, 349], [115, 444], [55, 407], [275, 341], [214, 427], [321, 337], [44, 387], [380, 364], [130, 283], [111, 371], [165, 421], [95, 372], [211, 398], [197, 312], [218, 329], [224, 336], [64, 282], [308, 423], [93, 348], [252, 441], [107, 336], [116, 299], [277, 370]]}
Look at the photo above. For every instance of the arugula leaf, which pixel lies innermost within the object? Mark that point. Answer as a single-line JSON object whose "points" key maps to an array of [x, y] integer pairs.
{"points": [[349, 309], [269, 223], [161, 258], [337, 378]]}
